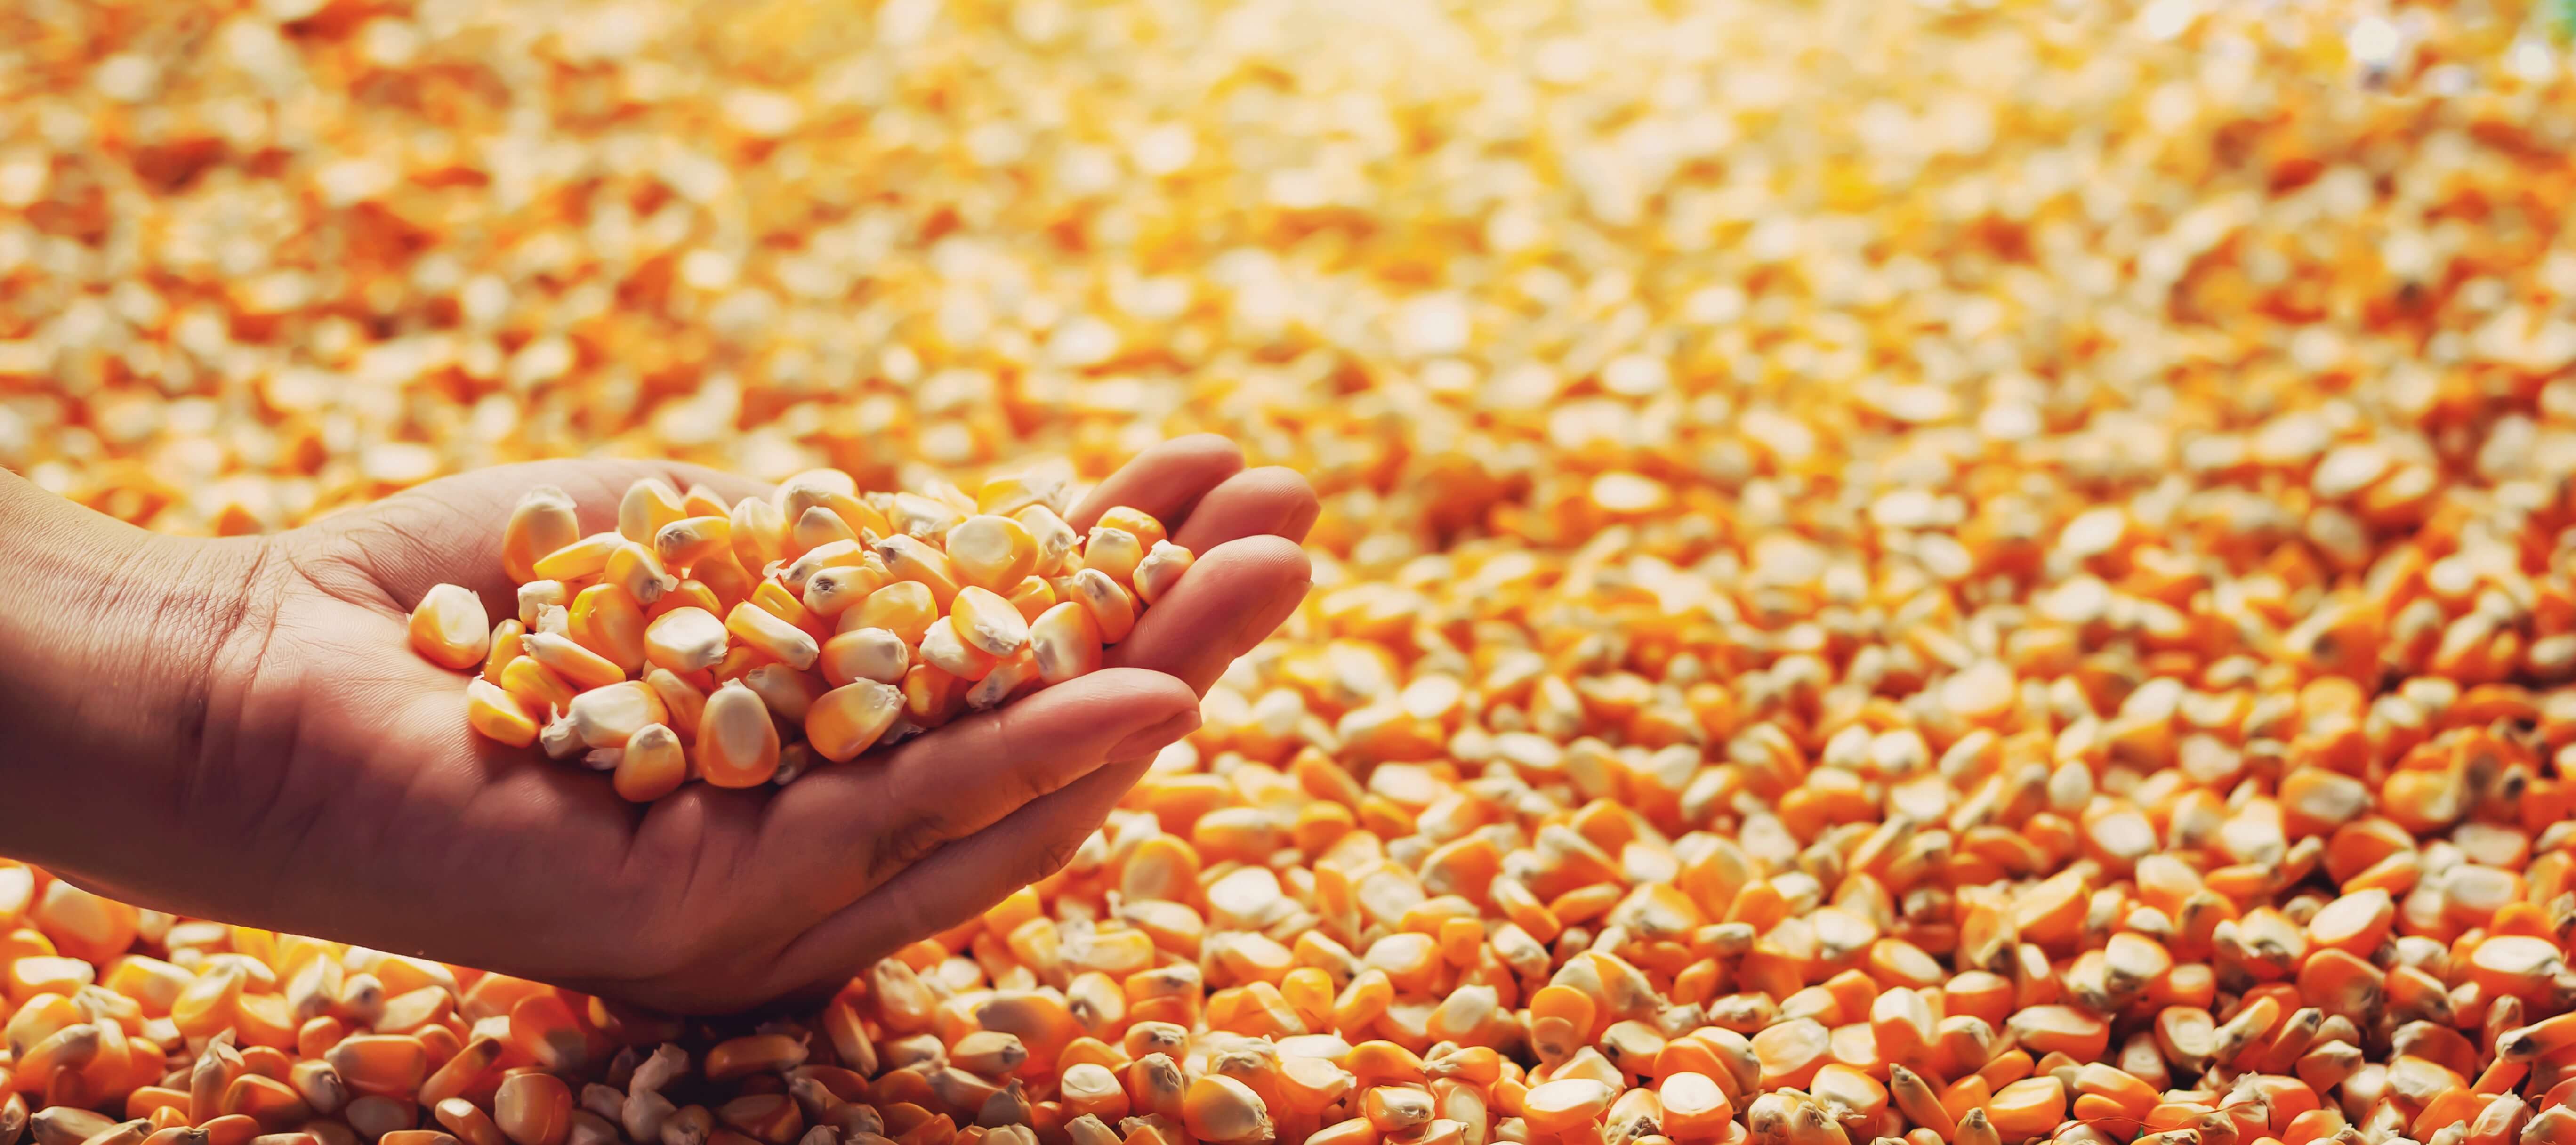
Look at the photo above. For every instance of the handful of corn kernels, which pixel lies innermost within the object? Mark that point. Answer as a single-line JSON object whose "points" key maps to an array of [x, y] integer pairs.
{"points": [[658, 653]]}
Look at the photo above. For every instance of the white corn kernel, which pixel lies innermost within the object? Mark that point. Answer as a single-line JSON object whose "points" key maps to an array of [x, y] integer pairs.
{"points": [[605, 716], [537, 594], [685, 640], [865, 654]]}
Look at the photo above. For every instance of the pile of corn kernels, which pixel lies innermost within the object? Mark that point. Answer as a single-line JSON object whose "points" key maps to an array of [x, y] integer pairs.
{"points": [[1962, 570], [654, 652]]}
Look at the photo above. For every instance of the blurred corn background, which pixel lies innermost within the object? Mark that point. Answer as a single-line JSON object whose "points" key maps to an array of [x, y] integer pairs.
{"points": [[1509, 268], [2178, 399]]}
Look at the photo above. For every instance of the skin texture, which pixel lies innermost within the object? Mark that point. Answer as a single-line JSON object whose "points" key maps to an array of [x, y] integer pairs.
{"points": [[237, 729]]}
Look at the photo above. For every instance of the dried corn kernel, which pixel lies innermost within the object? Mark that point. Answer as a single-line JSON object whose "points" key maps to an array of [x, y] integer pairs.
{"points": [[450, 628]]}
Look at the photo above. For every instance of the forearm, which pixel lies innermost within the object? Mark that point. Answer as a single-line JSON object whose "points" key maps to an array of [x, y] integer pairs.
{"points": [[107, 636]]}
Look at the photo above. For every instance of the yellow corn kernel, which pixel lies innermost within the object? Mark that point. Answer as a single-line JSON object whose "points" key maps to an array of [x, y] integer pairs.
{"points": [[605, 717], [725, 578], [1055, 539], [1112, 610], [773, 598], [1113, 551], [1065, 643], [988, 623], [737, 741], [835, 554], [498, 714], [905, 608], [834, 591], [1222, 1111], [915, 515], [687, 541], [931, 696], [1160, 570], [759, 532], [1006, 678], [944, 647], [865, 654], [537, 686], [1032, 596], [680, 698], [393, 1065], [578, 666], [633, 567], [685, 640], [701, 501], [450, 628], [534, 1109], [910, 558], [737, 660], [580, 559], [505, 648], [692, 593], [832, 490], [817, 527], [606, 620], [787, 691], [648, 505], [846, 720], [771, 636], [542, 522], [1134, 522], [992, 552], [1008, 495]]}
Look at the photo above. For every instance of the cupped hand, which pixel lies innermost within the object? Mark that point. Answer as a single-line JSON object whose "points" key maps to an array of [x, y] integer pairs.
{"points": [[336, 790]]}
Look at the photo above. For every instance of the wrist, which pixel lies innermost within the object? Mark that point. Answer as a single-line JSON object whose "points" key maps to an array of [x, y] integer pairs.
{"points": [[109, 648]]}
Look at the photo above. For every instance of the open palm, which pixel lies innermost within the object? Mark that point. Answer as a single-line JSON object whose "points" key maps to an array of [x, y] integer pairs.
{"points": [[339, 792]]}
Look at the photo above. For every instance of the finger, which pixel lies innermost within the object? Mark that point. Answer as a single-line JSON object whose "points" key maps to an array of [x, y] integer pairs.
{"points": [[1229, 601], [1270, 500], [960, 880], [839, 832], [1165, 481], [449, 530]]}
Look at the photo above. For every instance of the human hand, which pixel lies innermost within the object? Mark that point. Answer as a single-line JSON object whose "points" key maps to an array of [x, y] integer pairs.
{"points": [[334, 789]]}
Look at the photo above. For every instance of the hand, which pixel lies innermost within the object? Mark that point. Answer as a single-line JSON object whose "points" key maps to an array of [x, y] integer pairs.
{"points": [[335, 790]]}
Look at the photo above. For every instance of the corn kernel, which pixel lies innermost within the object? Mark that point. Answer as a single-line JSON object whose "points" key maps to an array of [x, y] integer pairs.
{"points": [[845, 721], [685, 640], [541, 523], [773, 637], [737, 743], [865, 654], [449, 627]]}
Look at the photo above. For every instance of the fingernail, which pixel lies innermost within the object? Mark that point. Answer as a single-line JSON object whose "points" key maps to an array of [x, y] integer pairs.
{"points": [[1155, 738]]}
